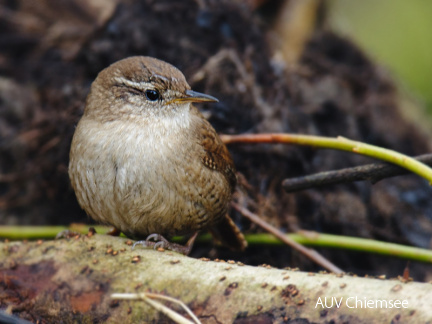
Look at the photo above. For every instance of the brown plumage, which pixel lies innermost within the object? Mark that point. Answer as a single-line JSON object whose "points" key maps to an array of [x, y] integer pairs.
{"points": [[145, 160]]}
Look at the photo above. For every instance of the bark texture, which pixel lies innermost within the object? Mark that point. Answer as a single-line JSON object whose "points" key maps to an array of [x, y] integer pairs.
{"points": [[71, 280]]}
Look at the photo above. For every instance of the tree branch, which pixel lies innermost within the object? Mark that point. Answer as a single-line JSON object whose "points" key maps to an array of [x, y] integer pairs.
{"points": [[72, 281], [373, 172]]}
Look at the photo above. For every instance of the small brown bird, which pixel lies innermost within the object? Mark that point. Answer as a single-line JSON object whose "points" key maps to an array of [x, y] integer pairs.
{"points": [[144, 160]]}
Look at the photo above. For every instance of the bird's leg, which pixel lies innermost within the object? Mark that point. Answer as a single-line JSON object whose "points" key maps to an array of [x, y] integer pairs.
{"points": [[158, 241]]}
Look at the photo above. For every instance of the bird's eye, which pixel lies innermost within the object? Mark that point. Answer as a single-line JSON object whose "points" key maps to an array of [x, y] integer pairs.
{"points": [[152, 95]]}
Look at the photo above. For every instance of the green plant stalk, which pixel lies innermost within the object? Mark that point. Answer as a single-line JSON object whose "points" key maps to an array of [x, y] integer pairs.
{"points": [[339, 143], [348, 243], [304, 237], [45, 232]]}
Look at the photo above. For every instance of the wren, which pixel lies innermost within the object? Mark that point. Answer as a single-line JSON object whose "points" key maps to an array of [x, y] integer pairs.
{"points": [[144, 160]]}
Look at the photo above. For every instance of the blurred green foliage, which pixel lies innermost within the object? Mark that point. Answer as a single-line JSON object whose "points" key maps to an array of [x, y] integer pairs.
{"points": [[395, 32]]}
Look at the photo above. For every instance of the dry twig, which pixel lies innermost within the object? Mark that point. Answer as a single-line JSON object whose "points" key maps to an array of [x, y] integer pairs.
{"points": [[373, 172], [311, 254], [147, 297]]}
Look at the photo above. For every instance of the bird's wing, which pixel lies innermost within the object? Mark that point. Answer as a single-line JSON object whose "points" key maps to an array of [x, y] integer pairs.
{"points": [[216, 156]]}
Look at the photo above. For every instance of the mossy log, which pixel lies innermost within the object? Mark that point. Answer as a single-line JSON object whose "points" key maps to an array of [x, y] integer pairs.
{"points": [[71, 280]]}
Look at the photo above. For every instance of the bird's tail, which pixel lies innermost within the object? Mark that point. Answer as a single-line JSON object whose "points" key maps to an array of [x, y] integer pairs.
{"points": [[228, 234]]}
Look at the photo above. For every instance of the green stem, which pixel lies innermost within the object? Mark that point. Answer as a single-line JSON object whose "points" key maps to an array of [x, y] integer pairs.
{"points": [[348, 243], [339, 143], [304, 237], [45, 232]]}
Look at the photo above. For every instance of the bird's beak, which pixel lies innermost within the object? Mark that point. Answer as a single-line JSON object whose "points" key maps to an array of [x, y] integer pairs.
{"points": [[193, 96]]}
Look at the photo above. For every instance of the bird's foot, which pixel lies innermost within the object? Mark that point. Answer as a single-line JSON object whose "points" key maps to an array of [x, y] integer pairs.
{"points": [[66, 234], [158, 241]]}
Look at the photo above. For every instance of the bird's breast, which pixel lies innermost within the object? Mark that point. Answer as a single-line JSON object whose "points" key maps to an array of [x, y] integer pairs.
{"points": [[146, 179]]}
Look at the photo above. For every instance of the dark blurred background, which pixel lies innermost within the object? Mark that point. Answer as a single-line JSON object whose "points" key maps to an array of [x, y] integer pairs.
{"points": [[276, 66]]}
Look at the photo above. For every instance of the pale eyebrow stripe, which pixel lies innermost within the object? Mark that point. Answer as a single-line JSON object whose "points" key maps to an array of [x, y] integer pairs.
{"points": [[161, 77], [137, 85], [172, 79]]}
